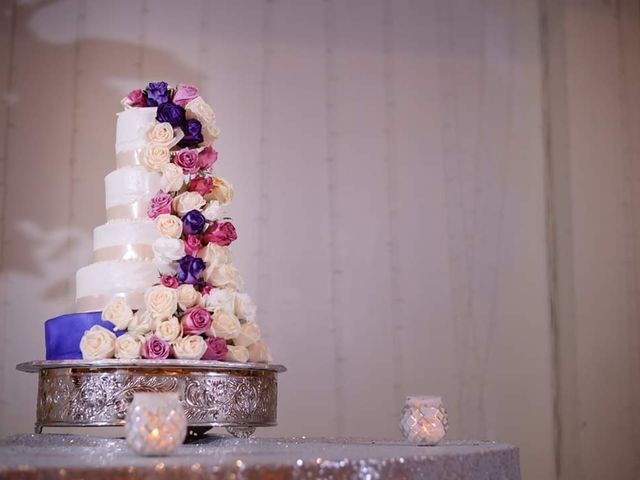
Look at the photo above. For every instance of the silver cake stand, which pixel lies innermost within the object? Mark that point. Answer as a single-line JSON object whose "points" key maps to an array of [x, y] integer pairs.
{"points": [[79, 393]]}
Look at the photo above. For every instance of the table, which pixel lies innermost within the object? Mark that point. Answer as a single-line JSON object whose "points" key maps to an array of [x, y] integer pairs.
{"points": [[63, 456]]}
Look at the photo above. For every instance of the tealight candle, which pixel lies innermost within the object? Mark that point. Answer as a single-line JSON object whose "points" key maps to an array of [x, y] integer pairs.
{"points": [[424, 420], [155, 423]]}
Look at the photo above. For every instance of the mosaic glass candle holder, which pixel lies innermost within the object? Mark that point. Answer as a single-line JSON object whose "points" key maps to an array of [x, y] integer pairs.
{"points": [[424, 420]]}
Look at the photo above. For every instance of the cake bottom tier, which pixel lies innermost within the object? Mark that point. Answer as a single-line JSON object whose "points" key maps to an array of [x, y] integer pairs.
{"points": [[98, 283]]}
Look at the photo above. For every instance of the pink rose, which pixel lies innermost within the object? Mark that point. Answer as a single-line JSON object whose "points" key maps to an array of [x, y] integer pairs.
{"points": [[159, 204], [202, 185], [136, 99], [207, 288], [207, 157], [222, 234], [169, 281], [192, 245], [155, 348], [216, 348], [187, 159], [195, 321], [184, 94]]}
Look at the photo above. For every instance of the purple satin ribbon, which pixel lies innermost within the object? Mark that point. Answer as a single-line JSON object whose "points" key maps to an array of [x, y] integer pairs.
{"points": [[62, 334]]}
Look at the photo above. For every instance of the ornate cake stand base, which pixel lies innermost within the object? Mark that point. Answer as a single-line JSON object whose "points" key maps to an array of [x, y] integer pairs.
{"points": [[77, 393]]}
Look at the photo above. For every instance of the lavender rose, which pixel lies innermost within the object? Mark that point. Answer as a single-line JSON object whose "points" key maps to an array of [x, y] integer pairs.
{"points": [[216, 348], [207, 157], [220, 233], [159, 204], [195, 321], [190, 269], [184, 94], [192, 133], [193, 222], [157, 93], [187, 160], [170, 113], [155, 348]]}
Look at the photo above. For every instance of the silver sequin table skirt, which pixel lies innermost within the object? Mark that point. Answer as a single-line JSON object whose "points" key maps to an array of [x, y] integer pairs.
{"points": [[57, 456]]}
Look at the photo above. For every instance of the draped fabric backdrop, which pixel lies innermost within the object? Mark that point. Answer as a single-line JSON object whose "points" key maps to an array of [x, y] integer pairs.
{"points": [[436, 197]]}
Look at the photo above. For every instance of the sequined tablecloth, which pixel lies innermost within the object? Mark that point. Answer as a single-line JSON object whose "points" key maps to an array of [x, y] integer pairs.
{"points": [[61, 456]]}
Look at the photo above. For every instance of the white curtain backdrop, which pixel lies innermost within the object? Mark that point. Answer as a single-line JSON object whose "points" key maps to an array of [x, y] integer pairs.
{"points": [[432, 197]]}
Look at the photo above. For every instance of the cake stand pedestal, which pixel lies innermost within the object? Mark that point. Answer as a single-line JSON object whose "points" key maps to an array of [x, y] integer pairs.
{"points": [[79, 393]]}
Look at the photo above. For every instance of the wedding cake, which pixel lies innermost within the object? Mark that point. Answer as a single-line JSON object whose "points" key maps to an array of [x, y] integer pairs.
{"points": [[162, 284]]}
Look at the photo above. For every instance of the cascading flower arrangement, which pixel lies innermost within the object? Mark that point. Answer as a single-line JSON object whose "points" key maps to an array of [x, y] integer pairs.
{"points": [[197, 310]]}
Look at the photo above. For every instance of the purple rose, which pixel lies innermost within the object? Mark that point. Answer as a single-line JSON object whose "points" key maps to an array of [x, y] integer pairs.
{"points": [[184, 94], [192, 133], [216, 348], [157, 93], [155, 348], [193, 222], [170, 113], [190, 269], [195, 321]]}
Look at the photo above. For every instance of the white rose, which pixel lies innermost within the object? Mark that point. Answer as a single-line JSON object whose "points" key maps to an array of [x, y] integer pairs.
{"points": [[167, 250], [98, 343], [215, 255], [188, 296], [169, 225], [161, 134], [141, 323], [191, 347], [172, 178], [154, 157], [222, 191], [249, 333], [118, 312], [245, 309], [259, 352], [200, 110], [187, 201], [128, 346], [219, 299], [224, 276], [236, 354], [213, 211], [169, 330], [225, 325], [210, 132], [161, 301]]}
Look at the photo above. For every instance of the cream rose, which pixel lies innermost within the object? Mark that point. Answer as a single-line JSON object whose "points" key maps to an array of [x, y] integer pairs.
{"points": [[249, 333], [141, 323], [168, 225], [161, 301], [236, 354], [128, 346], [224, 276], [161, 134], [187, 201], [167, 250], [172, 178], [200, 110], [219, 299], [155, 157], [222, 191], [191, 347], [118, 312], [215, 255], [259, 352], [210, 132], [213, 211], [245, 309], [169, 330], [225, 325], [98, 343], [188, 296]]}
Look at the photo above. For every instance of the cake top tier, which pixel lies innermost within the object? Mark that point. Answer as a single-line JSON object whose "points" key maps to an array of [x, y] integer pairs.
{"points": [[159, 121]]}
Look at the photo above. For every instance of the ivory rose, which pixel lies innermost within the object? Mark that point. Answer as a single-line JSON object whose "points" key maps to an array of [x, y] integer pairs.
{"points": [[200, 110], [225, 325], [213, 211], [259, 352], [210, 132], [141, 323], [167, 250], [249, 333], [172, 178], [155, 157], [169, 330], [215, 255], [221, 191], [245, 309], [191, 347], [161, 134], [187, 201], [224, 276], [97, 343], [117, 312], [169, 225], [128, 346], [161, 302], [219, 299], [237, 354], [188, 296]]}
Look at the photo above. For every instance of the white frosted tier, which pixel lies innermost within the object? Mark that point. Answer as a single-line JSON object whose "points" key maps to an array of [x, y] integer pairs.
{"points": [[128, 185], [125, 232], [104, 280], [131, 128]]}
